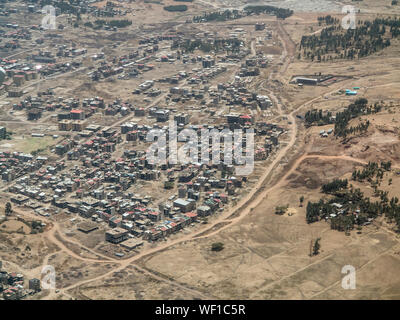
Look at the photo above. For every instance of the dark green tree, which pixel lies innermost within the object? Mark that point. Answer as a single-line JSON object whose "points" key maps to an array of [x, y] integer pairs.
{"points": [[8, 209], [316, 247]]}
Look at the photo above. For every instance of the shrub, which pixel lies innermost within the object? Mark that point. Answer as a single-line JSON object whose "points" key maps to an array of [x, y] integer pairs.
{"points": [[217, 246], [178, 8]]}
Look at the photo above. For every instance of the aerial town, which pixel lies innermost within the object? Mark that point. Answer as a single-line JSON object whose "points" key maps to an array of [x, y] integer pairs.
{"points": [[89, 89]]}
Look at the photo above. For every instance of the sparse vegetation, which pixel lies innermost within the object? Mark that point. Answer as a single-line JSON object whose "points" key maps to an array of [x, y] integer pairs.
{"points": [[336, 43], [281, 210], [334, 186], [8, 209], [176, 8], [342, 119], [280, 13], [316, 247], [350, 206], [248, 10], [301, 201], [217, 246]]}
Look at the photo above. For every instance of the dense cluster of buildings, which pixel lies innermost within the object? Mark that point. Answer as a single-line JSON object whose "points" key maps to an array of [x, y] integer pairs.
{"points": [[16, 164], [99, 168], [72, 113], [17, 74], [97, 186], [20, 72]]}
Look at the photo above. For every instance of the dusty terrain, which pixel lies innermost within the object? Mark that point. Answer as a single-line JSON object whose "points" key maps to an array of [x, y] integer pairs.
{"points": [[265, 256]]}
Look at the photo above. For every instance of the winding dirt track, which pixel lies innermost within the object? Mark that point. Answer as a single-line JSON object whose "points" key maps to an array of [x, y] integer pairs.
{"points": [[243, 208], [244, 205]]}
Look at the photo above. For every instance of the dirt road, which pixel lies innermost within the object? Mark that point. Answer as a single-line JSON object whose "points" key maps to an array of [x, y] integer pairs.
{"points": [[242, 209], [243, 206]]}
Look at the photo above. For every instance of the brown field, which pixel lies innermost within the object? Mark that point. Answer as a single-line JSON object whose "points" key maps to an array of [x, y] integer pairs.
{"points": [[265, 256]]}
